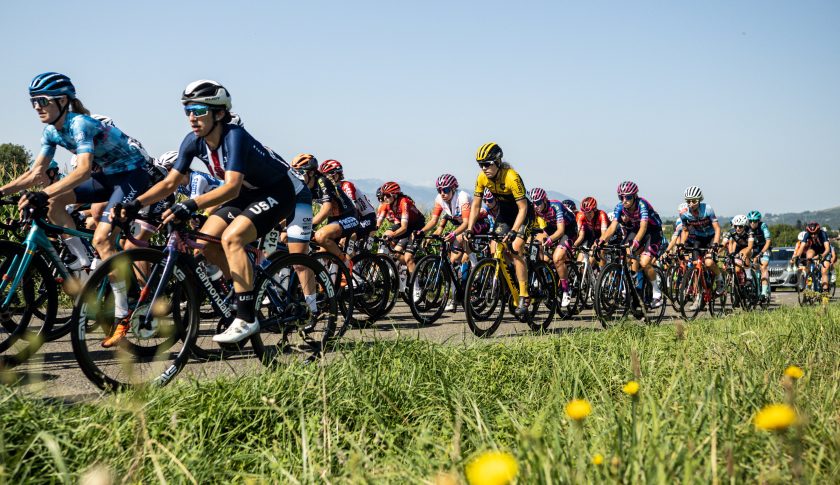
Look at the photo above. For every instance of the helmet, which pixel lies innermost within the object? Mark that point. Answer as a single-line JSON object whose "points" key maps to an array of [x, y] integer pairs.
{"points": [[739, 220], [627, 188], [167, 160], [103, 119], [305, 163], [391, 188], [330, 166], [206, 92], [52, 84], [754, 216], [682, 207], [611, 216], [570, 204], [379, 194], [445, 181], [489, 152], [693, 193], [236, 120], [588, 204], [488, 196], [812, 227], [537, 195]]}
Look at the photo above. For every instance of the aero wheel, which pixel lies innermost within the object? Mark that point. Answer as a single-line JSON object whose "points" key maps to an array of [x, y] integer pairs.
{"points": [[486, 297], [287, 320], [612, 296], [433, 277], [542, 288], [161, 332], [22, 332], [343, 284]]}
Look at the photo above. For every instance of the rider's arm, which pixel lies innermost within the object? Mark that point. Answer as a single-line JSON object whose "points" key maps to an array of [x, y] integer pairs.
{"points": [[403, 229], [433, 220], [35, 175], [323, 213], [605, 236], [522, 205], [716, 226], [162, 189], [223, 193], [475, 208], [642, 230], [579, 239], [561, 229], [74, 178]]}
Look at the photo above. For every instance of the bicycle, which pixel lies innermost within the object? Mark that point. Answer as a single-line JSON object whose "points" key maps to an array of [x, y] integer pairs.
{"points": [[491, 287], [165, 289], [698, 288], [744, 289], [619, 290], [809, 281], [439, 281]]}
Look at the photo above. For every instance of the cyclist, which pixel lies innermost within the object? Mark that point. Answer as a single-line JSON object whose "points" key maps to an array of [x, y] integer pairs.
{"points": [[561, 231], [454, 205], [108, 167], [676, 237], [701, 231], [643, 232], [570, 204], [365, 212], [740, 239], [259, 191], [509, 192], [337, 209], [814, 243], [761, 249], [409, 222], [591, 222]]}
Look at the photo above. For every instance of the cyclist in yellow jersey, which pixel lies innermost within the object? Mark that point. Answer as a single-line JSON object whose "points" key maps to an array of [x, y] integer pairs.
{"points": [[506, 186]]}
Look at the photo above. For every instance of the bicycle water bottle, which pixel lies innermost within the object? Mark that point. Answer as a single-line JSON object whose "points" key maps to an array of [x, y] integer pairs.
{"points": [[639, 279], [403, 270]]}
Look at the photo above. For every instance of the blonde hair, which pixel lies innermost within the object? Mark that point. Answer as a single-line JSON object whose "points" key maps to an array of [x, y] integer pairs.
{"points": [[76, 106]]}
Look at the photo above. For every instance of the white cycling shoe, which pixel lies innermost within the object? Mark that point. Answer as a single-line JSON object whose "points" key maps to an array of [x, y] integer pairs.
{"points": [[567, 300], [237, 331]]}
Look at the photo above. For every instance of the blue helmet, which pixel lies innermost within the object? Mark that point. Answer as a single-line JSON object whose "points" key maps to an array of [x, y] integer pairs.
{"points": [[52, 84]]}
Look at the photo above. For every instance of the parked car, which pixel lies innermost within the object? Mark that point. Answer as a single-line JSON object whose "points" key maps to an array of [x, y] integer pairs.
{"points": [[781, 275]]}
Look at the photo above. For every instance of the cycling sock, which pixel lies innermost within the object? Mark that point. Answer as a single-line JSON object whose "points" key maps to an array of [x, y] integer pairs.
{"points": [[655, 284], [75, 245], [564, 285], [523, 289], [245, 306], [473, 259], [765, 289], [312, 301], [120, 299]]}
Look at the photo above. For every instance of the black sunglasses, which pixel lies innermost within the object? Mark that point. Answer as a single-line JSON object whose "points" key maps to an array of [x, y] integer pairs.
{"points": [[41, 101], [626, 197], [485, 164], [445, 190]]}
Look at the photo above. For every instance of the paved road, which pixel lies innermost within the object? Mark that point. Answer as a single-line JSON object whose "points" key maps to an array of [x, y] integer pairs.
{"points": [[53, 372]]}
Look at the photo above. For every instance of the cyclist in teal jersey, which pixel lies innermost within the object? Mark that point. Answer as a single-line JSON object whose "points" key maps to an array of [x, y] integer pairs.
{"points": [[108, 168], [761, 249]]}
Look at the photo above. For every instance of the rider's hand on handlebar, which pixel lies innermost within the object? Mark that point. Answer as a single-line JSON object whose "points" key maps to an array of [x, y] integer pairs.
{"points": [[635, 245], [180, 211], [36, 199], [449, 237], [547, 242], [468, 234]]}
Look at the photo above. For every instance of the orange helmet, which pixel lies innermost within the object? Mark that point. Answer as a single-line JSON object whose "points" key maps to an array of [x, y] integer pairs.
{"points": [[588, 204], [391, 188], [330, 166]]}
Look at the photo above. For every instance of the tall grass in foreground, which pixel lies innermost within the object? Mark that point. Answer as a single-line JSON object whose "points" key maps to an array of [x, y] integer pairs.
{"points": [[410, 411]]}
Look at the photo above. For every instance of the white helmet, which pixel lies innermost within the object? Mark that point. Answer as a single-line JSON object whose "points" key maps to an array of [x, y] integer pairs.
{"points": [[103, 119], [682, 208], [693, 193], [167, 160], [739, 220], [236, 120], [206, 92]]}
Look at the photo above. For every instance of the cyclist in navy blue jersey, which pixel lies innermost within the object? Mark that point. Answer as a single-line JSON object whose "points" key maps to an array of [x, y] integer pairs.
{"points": [[814, 244], [259, 191]]}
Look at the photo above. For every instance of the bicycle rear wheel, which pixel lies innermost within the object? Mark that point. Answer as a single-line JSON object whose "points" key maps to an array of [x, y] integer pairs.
{"points": [[542, 288], [372, 285], [485, 298], [343, 284], [286, 320], [149, 355]]}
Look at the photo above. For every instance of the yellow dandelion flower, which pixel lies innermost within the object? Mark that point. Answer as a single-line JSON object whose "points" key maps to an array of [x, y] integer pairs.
{"points": [[578, 409], [597, 459], [775, 417], [492, 468], [631, 388], [794, 372]]}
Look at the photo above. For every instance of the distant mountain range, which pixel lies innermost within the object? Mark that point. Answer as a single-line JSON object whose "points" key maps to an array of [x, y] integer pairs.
{"points": [[424, 195], [827, 217]]}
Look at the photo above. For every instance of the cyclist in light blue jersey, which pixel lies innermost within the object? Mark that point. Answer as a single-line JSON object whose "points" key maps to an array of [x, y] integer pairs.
{"points": [[108, 168], [762, 243], [701, 230]]}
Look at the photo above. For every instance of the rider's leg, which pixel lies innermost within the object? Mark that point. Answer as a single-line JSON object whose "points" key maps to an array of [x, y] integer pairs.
{"points": [[765, 275], [326, 238], [57, 214], [215, 226], [240, 232], [519, 266]]}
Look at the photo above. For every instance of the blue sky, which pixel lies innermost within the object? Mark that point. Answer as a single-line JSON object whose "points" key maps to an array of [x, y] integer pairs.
{"points": [[739, 97]]}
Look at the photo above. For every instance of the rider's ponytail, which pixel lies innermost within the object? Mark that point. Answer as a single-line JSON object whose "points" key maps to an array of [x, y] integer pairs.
{"points": [[76, 106]]}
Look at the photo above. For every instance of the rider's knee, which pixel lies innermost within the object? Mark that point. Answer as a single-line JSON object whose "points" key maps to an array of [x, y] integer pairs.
{"points": [[231, 240]]}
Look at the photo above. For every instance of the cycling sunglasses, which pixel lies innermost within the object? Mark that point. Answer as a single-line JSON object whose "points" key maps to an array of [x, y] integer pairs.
{"points": [[485, 164], [197, 110], [41, 101], [626, 197], [445, 190]]}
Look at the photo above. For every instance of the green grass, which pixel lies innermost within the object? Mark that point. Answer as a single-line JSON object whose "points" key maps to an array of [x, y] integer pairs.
{"points": [[406, 411]]}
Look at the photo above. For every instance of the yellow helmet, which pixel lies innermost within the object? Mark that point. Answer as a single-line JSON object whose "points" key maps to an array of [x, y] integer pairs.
{"points": [[489, 152]]}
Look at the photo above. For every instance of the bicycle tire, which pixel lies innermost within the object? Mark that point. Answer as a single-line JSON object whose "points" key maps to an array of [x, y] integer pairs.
{"points": [[115, 369], [434, 280], [344, 293], [485, 289], [543, 292], [373, 294], [574, 278], [612, 300]]}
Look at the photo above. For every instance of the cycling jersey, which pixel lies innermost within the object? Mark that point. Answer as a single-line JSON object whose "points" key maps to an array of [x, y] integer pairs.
{"points": [[556, 213], [507, 186], [599, 222], [200, 183], [80, 134], [384, 213], [404, 210], [742, 239], [325, 191], [457, 209], [239, 152], [700, 225], [814, 241], [678, 227], [363, 205], [632, 219], [761, 236]]}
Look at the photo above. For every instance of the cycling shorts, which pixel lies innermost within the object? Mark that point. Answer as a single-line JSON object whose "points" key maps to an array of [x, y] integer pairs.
{"points": [[348, 225], [650, 244], [765, 258], [367, 224], [299, 224], [265, 208], [699, 242], [509, 211], [116, 188]]}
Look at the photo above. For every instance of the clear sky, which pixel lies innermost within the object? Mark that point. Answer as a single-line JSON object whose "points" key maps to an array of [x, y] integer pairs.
{"points": [[739, 97]]}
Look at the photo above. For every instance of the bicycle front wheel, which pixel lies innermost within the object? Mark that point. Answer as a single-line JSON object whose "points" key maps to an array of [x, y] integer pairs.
{"points": [[433, 280], [161, 332], [485, 298], [612, 296], [542, 288]]}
